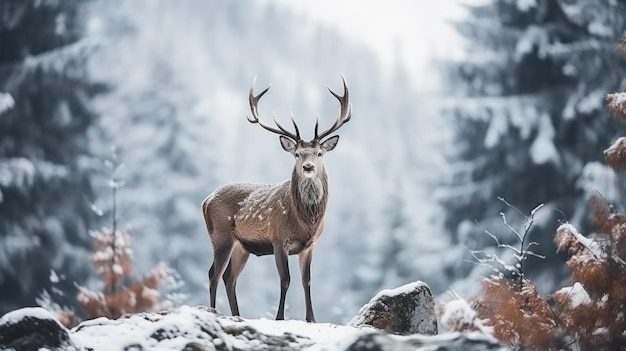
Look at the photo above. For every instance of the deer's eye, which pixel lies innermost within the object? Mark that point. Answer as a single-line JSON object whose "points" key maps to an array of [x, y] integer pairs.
{"points": [[297, 154], [319, 154]]}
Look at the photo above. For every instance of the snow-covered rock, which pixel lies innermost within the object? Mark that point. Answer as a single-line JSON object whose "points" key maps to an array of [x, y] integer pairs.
{"points": [[31, 329], [202, 328], [409, 309]]}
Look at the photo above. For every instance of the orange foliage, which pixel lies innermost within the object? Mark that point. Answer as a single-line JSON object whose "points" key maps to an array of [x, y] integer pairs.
{"points": [[592, 312], [112, 257], [517, 312], [617, 105], [140, 296]]}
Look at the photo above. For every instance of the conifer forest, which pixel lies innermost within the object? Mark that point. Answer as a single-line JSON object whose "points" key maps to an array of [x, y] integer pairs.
{"points": [[492, 169]]}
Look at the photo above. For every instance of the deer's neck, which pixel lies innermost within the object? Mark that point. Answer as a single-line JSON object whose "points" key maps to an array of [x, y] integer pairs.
{"points": [[309, 197]]}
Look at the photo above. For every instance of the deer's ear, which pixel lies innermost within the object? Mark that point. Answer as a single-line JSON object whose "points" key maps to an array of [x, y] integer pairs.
{"points": [[330, 143], [287, 144]]}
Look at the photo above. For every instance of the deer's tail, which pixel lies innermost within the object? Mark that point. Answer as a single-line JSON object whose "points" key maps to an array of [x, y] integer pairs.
{"points": [[206, 214]]}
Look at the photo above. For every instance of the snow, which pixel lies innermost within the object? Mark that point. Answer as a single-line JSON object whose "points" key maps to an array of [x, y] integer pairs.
{"points": [[616, 146], [322, 334], [617, 98], [457, 311], [591, 102], [118, 269], [54, 278], [526, 5], [18, 315], [577, 294], [616, 103], [136, 331], [182, 326], [588, 243], [534, 36], [404, 289], [542, 149], [17, 172], [201, 328], [6, 102]]}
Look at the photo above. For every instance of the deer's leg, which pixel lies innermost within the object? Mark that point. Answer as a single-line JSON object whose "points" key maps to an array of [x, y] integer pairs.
{"points": [[304, 259], [238, 259], [221, 256], [282, 264]]}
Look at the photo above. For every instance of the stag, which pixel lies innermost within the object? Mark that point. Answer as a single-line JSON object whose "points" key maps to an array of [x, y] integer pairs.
{"points": [[280, 219]]}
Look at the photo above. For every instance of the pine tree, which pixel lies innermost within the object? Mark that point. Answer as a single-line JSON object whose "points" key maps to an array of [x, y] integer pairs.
{"points": [[112, 259], [589, 313], [44, 158], [529, 125], [592, 308]]}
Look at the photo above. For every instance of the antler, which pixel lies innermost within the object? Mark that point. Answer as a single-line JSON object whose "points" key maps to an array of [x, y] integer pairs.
{"points": [[254, 100], [345, 112]]}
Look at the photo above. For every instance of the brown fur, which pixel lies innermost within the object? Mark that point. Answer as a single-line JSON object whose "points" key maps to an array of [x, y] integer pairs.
{"points": [[265, 219], [281, 219]]}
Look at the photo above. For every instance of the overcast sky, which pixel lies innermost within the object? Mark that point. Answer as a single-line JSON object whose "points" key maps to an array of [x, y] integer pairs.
{"points": [[415, 31]]}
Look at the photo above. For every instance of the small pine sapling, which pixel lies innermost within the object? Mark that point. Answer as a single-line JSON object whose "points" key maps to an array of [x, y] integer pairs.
{"points": [[112, 260], [499, 266], [511, 303]]}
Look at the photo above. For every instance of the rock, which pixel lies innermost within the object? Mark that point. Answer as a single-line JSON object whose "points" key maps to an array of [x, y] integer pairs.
{"points": [[32, 329], [409, 309]]}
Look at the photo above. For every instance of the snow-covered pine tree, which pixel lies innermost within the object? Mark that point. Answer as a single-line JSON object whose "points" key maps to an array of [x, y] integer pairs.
{"points": [[44, 158], [592, 309], [529, 121], [588, 314]]}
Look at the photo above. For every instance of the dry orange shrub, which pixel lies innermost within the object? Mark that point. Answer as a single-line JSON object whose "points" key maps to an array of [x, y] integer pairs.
{"points": [[517, 312], [113, 262]]}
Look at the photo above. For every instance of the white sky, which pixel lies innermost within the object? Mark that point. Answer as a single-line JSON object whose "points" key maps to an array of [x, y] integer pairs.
{"points": [[413, 30]]}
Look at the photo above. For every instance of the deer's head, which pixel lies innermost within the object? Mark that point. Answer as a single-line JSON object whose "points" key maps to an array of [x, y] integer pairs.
{"points": [[308, 154]]}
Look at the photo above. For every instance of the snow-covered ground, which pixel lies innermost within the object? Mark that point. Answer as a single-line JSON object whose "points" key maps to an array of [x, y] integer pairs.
{"points": [[201, 328]]}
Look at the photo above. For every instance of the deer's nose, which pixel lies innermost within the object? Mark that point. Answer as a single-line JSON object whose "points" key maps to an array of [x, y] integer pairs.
{"points": [[308, 167]]}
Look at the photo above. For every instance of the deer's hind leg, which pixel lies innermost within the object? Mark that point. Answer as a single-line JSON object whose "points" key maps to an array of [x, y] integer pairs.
{"points": [[222, 250], [238, 259]]}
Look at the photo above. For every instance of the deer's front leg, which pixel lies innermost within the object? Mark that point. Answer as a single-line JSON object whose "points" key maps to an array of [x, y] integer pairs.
{"points": [[282, 264], [305, 270]]}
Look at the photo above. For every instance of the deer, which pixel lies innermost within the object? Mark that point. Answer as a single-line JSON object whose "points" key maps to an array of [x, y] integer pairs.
{"points": [[274, 219]]}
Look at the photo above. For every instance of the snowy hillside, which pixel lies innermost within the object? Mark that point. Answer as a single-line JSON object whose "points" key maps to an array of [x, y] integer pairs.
{"points": [[201, 328]]}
